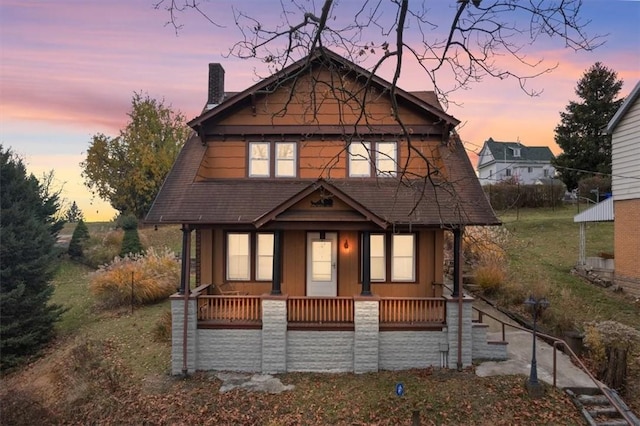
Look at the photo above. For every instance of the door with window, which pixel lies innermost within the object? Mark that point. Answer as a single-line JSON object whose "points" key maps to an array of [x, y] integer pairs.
{"points": [[322, 268]]}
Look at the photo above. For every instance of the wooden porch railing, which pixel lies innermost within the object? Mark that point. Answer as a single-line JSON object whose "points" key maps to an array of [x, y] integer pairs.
{"points": [[230, 308], [412, 310], [320, 310]]}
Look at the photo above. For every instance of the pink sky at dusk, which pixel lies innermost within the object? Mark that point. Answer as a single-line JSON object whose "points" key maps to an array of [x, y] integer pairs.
{"points": [[68, 70]]}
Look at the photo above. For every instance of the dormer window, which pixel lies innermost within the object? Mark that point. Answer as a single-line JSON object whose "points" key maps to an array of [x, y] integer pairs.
{"points": [[516, 152], [284, 159]]}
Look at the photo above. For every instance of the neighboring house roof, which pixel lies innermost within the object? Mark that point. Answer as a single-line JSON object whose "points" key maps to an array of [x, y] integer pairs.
{"points": [[504, 152], [601, 212], [635, 93], [460, 200]]}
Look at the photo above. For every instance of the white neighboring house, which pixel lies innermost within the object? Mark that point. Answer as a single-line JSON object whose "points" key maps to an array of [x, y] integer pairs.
{"points": [[625, 165], [502, 161]]}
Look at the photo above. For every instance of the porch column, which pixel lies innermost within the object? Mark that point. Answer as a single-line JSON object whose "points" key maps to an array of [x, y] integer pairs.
{"points": [[277, 264], [457, 245], [366, 263], [185, 276]]}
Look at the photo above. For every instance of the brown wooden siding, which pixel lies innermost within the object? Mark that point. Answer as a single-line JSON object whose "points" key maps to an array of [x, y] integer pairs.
{"points": [[319, 104], [316, 158], [226, 159], [324, 159]]}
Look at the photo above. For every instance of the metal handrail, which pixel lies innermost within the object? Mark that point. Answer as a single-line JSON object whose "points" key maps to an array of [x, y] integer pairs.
{"points": [[556, 342]]}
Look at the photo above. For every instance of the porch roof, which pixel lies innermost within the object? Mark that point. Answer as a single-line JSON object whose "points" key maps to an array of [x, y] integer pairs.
{"points": [[457, 201]]}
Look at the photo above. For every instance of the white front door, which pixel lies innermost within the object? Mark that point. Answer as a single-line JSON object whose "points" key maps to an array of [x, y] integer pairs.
{"points": [[322, 256]]}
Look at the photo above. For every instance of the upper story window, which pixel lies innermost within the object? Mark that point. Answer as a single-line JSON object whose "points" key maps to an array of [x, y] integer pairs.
{"points": [[284, 159], [516, 152], [366, 158], [259, 159]]}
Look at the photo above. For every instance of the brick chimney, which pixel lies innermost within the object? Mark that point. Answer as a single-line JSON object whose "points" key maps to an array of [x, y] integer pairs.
{"points": [[216, 85]]}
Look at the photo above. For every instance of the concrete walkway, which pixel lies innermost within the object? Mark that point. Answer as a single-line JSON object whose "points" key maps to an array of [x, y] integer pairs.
{"points": [[519, 352]]}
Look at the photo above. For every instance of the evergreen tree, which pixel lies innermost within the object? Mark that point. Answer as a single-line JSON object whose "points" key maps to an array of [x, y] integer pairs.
{"points": [[131, 241], [74, 214], [79, 237], [28, 255], [580, 132]]}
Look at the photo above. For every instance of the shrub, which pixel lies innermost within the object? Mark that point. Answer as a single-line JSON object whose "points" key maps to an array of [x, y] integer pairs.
{"points": [[99, 251], [162, 328], [153, 276], [490, 275], [79, 238], [612, 347], [594, 187], [131, 240]]}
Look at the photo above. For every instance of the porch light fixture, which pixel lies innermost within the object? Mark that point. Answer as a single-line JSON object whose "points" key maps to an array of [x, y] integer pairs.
{"points": [[346, 244], [537, 306]]}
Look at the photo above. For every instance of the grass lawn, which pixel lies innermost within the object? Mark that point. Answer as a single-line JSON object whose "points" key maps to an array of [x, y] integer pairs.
{"points": [[543, 249]]}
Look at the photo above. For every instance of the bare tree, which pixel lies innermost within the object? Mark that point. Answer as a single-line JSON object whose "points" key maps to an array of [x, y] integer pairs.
{"points": [[462, 41], [455, 44]]}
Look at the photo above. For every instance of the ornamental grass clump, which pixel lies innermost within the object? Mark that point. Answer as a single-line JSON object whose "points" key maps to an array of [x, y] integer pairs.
{"points": [[136, 279]]}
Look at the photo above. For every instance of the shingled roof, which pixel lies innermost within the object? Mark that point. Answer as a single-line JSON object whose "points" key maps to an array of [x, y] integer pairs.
{"points": [[504, 151], [458, 200]]}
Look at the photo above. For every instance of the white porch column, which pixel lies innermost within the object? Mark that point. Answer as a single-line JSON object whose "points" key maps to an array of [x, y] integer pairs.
{"points": [[466, 338], [274, 334], [178, 341], [366, 312]]}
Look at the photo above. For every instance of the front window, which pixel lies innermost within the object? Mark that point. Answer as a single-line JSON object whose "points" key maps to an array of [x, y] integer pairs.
{"points": [[264, 257], [378, 259], [259, 159], [242, 265], [238, 267], [392, 255], [403, 257]]}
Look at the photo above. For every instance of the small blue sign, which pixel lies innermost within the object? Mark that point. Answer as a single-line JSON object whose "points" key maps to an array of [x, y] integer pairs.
{"points": [[399, 389]]}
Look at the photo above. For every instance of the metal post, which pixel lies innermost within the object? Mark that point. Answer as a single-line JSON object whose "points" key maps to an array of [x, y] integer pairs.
{"points": [[533, 385]]}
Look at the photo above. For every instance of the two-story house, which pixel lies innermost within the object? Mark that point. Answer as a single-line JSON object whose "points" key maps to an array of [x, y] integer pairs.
{"points": [[512, 161], [624, 129], [319, 221]]}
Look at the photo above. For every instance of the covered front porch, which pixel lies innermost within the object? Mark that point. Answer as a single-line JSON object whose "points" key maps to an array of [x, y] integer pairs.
{"points": [[275, 334]]}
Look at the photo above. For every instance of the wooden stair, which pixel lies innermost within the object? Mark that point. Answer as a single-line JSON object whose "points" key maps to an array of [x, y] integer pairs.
{"points": [[598, 411]]}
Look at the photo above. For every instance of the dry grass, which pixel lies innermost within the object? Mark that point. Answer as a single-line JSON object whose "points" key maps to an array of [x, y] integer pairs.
{"points": [[137, 279]]}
